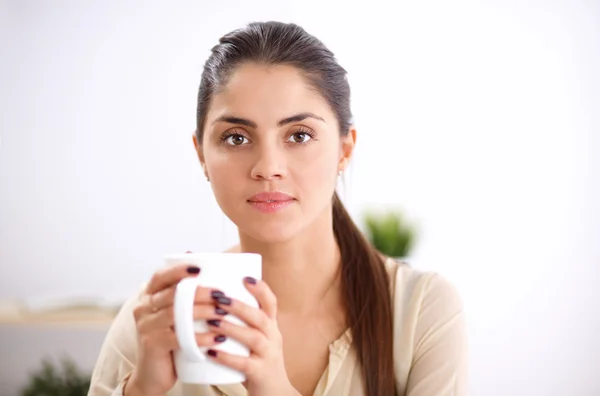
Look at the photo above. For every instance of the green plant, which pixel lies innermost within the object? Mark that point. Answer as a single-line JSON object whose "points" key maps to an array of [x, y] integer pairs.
{"points": [[49, 380], [390, 233]]}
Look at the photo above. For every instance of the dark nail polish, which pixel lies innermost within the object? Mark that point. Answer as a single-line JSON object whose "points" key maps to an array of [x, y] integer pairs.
{"points": [[214, 322], [193, 270], [220, 338], [250, 280], [224, 300], [215, 294], [220, 311], [212, 352], [189, 251]]}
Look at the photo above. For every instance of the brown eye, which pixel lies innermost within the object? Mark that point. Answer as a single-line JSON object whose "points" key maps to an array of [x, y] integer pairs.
{"points": [[235, 140], [300, 137]]}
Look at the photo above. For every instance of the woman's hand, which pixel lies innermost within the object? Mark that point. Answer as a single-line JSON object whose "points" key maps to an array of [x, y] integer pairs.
{"points": [[154, 374], [264, 369]]}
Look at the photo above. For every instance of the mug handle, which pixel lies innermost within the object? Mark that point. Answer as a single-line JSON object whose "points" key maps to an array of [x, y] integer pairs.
{"points": [[185, 330]]}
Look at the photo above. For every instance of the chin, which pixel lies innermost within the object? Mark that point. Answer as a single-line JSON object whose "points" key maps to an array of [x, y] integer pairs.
{"points": [[270, 228], [275, 232]]}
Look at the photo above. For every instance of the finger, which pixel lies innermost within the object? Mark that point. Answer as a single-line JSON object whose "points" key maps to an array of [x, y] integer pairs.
{"points": [[168, 339], [253, 317], [166, 297], [239, 363], [165, 317], [254, 339], [169, 276], [210, 339], [263, 294], [162, 299]]}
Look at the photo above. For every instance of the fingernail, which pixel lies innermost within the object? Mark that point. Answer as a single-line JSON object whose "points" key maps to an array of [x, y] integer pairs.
{"points": [[220, 311], [250, 280], [220, 338], [212, 352], [214, 322], [215, 294], [224, 300], [193, 270]]}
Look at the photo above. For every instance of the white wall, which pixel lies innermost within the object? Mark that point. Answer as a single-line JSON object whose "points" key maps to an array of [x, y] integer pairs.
{"points": [[478, 119]]}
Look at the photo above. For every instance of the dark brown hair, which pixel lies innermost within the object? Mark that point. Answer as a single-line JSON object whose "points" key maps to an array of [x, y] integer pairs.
{"points": [[365, 282]]}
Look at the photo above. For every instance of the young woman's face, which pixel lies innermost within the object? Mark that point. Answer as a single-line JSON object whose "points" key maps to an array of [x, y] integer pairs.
{"points": [[267, 131]]}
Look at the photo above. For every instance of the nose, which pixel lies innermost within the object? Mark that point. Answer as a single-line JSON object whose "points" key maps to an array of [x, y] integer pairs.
{"points": [[269, 164]]}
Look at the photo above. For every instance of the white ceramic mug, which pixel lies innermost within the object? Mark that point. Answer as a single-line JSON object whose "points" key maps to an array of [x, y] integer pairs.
{"points": [[220, 271]]}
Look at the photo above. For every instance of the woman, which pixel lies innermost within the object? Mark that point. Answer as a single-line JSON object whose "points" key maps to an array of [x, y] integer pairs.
{"points": [[336, 317]]}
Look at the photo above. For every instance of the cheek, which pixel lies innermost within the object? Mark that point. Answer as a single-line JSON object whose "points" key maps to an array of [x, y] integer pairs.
{"points": [[317, 171], [316, 175], [220, 166], [226, 177]]}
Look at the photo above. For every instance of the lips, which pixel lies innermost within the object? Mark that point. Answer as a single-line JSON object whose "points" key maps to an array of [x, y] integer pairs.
{"points": [[271, 202], [269, 197]]}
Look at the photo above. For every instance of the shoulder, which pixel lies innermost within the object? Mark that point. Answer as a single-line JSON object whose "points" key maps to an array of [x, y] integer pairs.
{"points": [[412, 288], [427, 310]]}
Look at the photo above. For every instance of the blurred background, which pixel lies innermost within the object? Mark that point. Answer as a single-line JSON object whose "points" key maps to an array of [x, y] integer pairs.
{"points": [[478, 120]]}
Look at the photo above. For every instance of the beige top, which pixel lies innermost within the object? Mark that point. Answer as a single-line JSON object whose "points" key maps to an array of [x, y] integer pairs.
{"points": [[430, 346]]}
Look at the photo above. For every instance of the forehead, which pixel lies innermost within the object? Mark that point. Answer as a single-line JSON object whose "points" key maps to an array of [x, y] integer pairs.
{"points": [[266, 94]]}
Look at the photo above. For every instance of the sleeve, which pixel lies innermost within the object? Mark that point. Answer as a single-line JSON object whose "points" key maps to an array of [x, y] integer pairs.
{"points": [[440, 357], [118, 354]]}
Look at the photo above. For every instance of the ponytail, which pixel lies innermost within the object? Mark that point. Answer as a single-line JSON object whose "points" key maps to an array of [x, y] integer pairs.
{"points": [[365, 286]]}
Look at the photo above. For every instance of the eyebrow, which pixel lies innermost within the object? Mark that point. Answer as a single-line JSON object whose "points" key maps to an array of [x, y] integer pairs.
{"points": [[251, 124], [299, 117]]}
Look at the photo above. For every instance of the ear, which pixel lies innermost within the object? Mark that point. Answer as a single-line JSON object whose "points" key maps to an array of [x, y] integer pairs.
{"points": [[348, 143], [200, 153]]}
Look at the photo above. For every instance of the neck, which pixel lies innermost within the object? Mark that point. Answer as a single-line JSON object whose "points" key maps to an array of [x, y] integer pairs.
{"points": [[303, 271]]}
